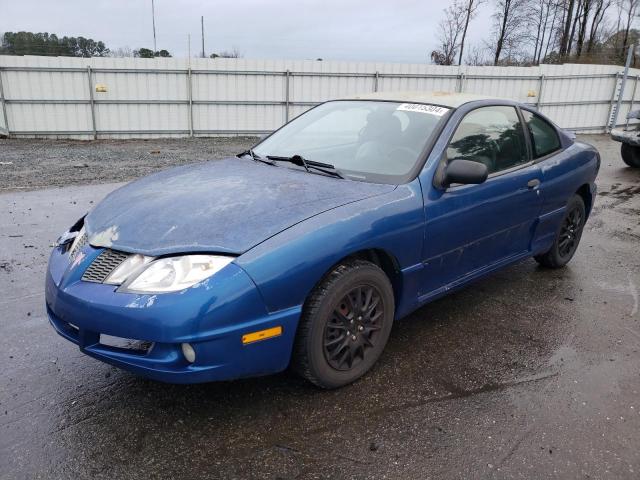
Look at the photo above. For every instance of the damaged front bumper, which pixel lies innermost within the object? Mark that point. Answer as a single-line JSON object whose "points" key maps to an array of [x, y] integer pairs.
{"points": [[630, 137], [211, 318]]}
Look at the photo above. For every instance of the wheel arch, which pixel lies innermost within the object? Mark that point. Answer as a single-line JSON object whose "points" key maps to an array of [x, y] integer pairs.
{"points": [[585, 193], [386, 261]]}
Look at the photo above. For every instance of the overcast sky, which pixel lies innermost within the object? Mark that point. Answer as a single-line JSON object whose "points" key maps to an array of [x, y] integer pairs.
{"points": [[390, 31]]}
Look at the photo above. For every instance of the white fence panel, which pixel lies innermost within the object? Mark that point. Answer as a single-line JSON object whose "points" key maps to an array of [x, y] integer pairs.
{"points": [[58, 96]]}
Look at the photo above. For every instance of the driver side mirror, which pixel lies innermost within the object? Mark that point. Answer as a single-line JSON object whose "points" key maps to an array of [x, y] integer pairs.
{"points": [[464, 172]]}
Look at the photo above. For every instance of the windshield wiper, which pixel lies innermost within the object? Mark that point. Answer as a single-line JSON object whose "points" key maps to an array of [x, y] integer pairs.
{"points": [[255, 156], [308, 164]]}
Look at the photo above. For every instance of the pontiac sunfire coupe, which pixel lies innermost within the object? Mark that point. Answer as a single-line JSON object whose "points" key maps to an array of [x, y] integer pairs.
{"points": [[305, 249]]}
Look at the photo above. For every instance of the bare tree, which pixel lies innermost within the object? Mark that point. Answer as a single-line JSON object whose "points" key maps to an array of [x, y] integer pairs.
{"points": [[576, 16], [582, 26], [543, 15], [477, 56], [469, 8], [630, 9], [555, 6], [575, 30], [508, 27], [599, 11], [568, 16], [122, 52], [449, 31], [538, 12]]}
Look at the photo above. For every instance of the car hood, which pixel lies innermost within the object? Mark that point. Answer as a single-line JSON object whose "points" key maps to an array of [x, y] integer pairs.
{"points": [[225, 206]]}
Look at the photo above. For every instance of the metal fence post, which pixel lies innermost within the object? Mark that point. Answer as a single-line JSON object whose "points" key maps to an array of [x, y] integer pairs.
{"points": [[92, 103], [190, 91], [633, 97], [376, 79], [614, 120], [607, 125], [4, 106], [540, 88], [286, 102]]}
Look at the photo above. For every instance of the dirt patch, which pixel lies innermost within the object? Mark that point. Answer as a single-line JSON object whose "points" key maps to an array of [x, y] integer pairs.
{"points": [[5, 267]]}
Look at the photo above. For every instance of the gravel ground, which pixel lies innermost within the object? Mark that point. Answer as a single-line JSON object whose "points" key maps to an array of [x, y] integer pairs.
{"points": [[30, 164]]}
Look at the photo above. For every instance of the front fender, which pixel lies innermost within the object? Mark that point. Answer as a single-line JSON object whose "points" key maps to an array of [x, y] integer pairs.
{"points": [[288, 266]]}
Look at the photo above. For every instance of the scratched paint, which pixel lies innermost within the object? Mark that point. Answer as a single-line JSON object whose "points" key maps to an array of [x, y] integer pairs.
{"points": [[225, 206], [104, 238]]}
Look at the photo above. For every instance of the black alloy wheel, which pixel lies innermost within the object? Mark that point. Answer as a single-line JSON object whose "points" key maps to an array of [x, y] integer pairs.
{"points": [[352, 331], [569, 232], [345, 324], [568, 236]]}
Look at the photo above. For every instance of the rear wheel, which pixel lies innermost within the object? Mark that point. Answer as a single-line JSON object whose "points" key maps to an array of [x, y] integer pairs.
{"points": [[630, 155], [567, 237], [345, 325]]}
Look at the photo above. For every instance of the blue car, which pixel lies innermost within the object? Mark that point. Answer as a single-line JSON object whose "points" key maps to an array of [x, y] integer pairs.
{"points": [[302, 251]]}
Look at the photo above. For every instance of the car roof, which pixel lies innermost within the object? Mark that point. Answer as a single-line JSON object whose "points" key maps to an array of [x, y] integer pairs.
{"points": [[446, 99]]}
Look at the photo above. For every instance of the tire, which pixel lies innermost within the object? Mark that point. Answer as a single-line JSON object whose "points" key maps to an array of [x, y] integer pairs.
{"points": [[630, 155], [337, 342], [568, 236]]}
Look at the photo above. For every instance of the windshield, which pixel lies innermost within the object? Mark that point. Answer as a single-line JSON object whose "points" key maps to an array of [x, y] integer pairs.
{"points": [[373, 141]]}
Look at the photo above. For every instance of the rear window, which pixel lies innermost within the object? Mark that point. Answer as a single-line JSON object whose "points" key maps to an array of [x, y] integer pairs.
{"points": [[544, 137]]}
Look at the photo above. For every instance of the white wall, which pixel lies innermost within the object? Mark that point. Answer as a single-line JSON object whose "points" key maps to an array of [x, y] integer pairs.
{"points": [[150, 97]]}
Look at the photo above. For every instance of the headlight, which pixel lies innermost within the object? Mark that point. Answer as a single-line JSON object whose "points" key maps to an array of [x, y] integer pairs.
{"points": [[127, 268], [174, 273]]}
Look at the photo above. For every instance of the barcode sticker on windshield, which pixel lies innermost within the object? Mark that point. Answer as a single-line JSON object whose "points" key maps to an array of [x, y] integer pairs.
{"points": [[421, 108]]}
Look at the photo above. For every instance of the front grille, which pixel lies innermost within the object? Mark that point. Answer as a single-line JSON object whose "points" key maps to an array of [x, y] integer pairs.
{"points": [[82, 241], [103, 265]]}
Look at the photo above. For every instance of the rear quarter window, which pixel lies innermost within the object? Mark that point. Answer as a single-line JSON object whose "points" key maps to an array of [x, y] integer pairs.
{"points": [[544, 137]]}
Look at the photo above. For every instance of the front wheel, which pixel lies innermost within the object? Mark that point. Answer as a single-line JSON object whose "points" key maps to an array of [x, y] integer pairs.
{"points": [[345, 325], [568, 236], [630, 155]]}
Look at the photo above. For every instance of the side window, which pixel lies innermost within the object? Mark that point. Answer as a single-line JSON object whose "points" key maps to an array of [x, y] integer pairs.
{"points": [[490, 135], [544, 137]]}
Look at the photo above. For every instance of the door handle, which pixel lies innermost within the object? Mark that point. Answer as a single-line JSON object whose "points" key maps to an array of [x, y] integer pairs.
{"points": [[532, 184]]}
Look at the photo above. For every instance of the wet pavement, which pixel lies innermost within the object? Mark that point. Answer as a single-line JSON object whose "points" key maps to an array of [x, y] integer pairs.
{"points": [[530, 373]]}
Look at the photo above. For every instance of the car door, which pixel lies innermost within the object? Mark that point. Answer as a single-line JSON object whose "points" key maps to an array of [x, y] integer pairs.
{"points": [[472, 228], [558, 173]]}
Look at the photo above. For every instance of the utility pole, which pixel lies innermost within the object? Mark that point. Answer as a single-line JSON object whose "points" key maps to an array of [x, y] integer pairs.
{"points": [[202, 28], [153, 20]]}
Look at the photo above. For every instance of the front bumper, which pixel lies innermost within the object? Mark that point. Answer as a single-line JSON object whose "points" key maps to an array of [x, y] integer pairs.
{"points": [[211, 317], [631, 137]]}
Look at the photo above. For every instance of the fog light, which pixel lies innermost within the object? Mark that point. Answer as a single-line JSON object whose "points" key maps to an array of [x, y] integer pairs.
{"points": [[188, 352]]}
